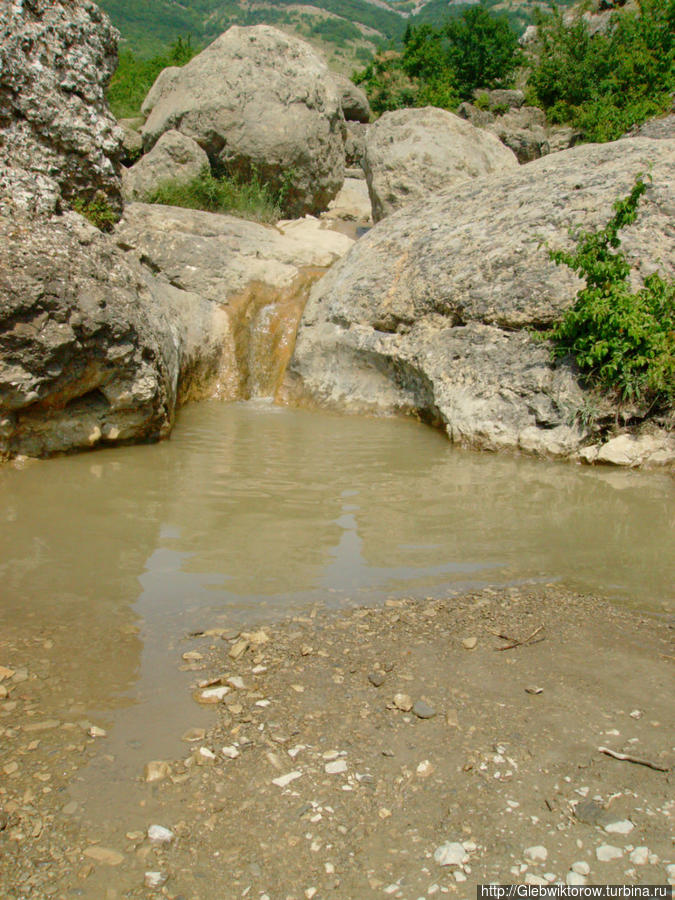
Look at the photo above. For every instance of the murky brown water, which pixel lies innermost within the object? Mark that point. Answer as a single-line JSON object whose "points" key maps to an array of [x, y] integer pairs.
{"points": [[252, 511]]}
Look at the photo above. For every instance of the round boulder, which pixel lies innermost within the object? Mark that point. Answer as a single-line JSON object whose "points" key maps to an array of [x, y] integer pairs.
{"points": [[174, 157], [260, 101], [411, 153]]}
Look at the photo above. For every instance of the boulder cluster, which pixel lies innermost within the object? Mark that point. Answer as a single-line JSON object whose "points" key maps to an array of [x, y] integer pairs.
{"points": [[433, 312]]}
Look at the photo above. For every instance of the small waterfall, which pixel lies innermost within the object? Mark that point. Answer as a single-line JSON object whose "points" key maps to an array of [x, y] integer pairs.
{"points": [[264, 321]]}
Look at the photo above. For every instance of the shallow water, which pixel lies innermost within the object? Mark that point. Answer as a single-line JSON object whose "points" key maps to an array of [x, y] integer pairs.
{"points": [[251, 511]]}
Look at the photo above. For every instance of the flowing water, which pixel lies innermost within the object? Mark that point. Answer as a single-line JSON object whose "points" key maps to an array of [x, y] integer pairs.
{"points": [[251, 511]]}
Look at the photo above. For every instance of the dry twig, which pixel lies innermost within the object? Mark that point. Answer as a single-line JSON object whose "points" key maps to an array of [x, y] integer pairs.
{"points": [[633, 759], [516, 643]]}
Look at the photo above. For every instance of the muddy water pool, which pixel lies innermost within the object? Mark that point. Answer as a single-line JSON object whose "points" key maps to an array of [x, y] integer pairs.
{"points": [[251, 512]]}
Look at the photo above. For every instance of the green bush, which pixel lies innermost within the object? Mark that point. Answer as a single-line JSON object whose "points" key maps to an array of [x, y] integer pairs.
{"points": [[623, 342], [603, 84], [249, 200], [97, 210]]}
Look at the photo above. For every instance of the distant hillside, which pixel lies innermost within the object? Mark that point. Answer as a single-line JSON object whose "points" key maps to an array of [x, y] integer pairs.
{"points": [[347, 31]]}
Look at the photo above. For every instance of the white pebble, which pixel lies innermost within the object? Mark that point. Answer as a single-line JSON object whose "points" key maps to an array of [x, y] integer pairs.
{"points": [[230, 752], [581, 868], [336, 767], [640, 856], [155, 879], [283, 780], [160, 834], [206, 753], [606, 853], [575, 878], [536, 853], [459, 875], [624, 826], [534, 879], [451, 854]]}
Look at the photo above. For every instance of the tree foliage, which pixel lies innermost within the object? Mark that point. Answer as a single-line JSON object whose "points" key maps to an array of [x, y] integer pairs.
{"points": [[623, 341], [604, 83], [442, 65]]}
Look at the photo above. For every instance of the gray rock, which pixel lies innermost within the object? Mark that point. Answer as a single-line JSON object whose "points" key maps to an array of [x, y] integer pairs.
{"points": [[93, 349], [432, 310], [412, 153], [422, 710], [58, 141], [481, 118], [257, 98], [377, 678], [523, 130], [132, 142], [501, 98], [174, 157], [354, 103], [355, 145], [164, 84]]}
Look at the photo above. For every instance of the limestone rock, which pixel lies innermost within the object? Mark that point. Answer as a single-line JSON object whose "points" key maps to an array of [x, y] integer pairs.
{"points": [[257, 98], [93, 349], [523, 130], [431, 312], [354, 103], [412, 153], [58, 141], [164, 84], [355, 144], [352, 204], [174, 157]]}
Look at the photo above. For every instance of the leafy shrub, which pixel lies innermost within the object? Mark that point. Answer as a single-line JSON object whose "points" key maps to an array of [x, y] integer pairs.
{"points": [[624, 342], [606, 83], [97, 210], [249, 200]]}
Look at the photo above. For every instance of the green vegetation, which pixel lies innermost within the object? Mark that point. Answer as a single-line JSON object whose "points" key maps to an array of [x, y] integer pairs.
{"points": [[98, 211], [249, 200], [623, 342], [441, 66], [604, 84], [135, 76]]}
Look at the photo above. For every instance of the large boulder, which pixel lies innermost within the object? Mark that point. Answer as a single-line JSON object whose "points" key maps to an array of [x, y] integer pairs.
{"points": [[413, 153], [259, 100], [353, 100], [58, 141], [93, 349], [433, 310], [174, 157]]}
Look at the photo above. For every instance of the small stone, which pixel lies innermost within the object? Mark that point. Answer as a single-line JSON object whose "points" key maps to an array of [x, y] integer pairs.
{"points": [[624, 826], [470, 643], [606, 853], [581, 868], [640, 856], [536, 854], [424, 769], [6, 673], [403, 702], [670, 870], [237, 682], [155, 879], [10, 768], [459, 876], [213, 695], [530, 878], [238, 649], [575, 878], [193, 734], [158, 834], [377, 678], [230, 752], [207, 754], [192, 656], [104, 855], [306, 650], [384, 813], [157, 770], [451, 853], [422, 710], [589, 812], [636, 714], [336, 767], [534, 689], [310, 893], [97, 732], [3, 692], [284, 780]]}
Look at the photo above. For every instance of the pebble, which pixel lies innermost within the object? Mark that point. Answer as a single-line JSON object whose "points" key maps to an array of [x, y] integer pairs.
{"points": [[640, 856], [581, 867], [230, 752], [283, 780], [376, 678], [194, 734], [636, 714], [575, 878], [192, 656], [104, 855], [624, 826], [536, 854], [157, 770], [205, 753], [336, 767], [606, 853], [403, 702], [213, 695], [237, 682], [97, 732], [422, 710], [424, 769], [534, 879], [670, 869], [155, 879], [160, 835], [238, 649], [469, 643], [451, 853]]}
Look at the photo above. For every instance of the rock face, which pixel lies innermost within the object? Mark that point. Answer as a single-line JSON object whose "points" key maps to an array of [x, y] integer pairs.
{"points": [[432, 311], [92, 348], [174, 157], [412, 153], [354, 103], [257, 98], [58, 141]]}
